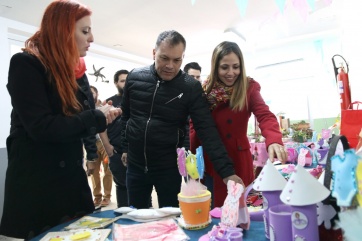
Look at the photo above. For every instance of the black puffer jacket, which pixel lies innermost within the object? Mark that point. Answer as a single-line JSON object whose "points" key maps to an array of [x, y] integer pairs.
{"points": [[154, 117]]}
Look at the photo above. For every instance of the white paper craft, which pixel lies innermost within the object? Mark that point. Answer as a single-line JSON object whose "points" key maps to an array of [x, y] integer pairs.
{"points": [[80, 234]]}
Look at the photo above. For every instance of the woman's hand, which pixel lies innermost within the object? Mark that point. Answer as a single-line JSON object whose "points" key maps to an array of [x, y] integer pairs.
{"points": [[234, 178], [278, 151], [110, 112]]}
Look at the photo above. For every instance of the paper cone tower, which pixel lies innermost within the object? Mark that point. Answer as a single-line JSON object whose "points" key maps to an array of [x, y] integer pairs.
{"points": [[302, 192], [269, 179], [271, 183], [303, 189]]}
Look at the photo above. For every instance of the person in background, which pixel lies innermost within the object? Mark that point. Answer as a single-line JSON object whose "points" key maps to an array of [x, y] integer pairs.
{"points": [[193, 69], [102, 159], [45, 181], [112, 142], [232, 98], [156, 102]]}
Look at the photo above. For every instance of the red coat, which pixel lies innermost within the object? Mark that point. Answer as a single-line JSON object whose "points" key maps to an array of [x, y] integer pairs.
{"points": [[232, 127]]}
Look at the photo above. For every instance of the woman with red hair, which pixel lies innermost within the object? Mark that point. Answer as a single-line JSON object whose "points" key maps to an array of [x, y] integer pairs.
{"points": [[45, 181]]}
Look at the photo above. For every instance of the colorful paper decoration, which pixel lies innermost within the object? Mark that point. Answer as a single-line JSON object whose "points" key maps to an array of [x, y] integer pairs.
{"points": [[191, 166], [181, 156], [281, 5], [200, 162], [344, 177], [242, 4]]}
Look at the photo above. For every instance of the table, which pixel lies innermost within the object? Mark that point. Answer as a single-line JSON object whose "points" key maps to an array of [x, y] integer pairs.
{"points": [[255, 233]]}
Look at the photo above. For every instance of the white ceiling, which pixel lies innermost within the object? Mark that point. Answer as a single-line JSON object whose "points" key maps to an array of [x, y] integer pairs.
{"points": [[132, 26]]}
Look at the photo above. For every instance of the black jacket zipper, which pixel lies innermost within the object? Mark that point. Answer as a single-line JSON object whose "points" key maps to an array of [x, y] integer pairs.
{"points": [[148, 121]]}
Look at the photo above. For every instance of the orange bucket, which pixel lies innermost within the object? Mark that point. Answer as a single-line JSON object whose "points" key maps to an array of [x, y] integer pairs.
{"points": [[195, 209]]}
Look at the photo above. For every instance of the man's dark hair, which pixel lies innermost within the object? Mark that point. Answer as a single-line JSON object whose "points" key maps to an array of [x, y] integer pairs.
{"points": [[118, 73], [192, 65], [94, 88], [172, 37]]}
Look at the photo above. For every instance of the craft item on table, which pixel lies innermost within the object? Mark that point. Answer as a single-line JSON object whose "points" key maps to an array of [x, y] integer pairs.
{"points": [[149, 215], [91, 223], [359, 180], [316, 172], [344, 186], [166, 230], [259, 152], [292, 154], [194, 198], [195, 210], [219, 233], [291, 148], [351, 222], [80, 234], [302, 192], [124, 210], [200, 162], [326, 134], [270, 182], [190, 165], [280, 228], [304, 158], [254, 203], [322, 155], [327, 217], [216, 212], [234, 212], [288, 169], [181, 161]]}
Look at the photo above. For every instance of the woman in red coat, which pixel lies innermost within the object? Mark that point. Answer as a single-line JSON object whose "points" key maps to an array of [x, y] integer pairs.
{"points": [[233, 97]]}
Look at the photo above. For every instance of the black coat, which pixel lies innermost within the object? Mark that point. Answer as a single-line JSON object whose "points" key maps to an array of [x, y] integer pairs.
{"points": [[45, 180], [154, 117]]}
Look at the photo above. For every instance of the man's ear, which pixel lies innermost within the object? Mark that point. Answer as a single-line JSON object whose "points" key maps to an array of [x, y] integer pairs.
{"points": [[154, 54]]}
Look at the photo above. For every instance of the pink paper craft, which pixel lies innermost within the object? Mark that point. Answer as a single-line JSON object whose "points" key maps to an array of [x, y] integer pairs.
{"points": [[181, 160], [165, 230], [230, 209], [216, 213]]}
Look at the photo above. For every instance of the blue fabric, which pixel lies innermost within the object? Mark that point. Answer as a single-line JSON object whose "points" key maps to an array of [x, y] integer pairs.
{"points": [[255, 233]]}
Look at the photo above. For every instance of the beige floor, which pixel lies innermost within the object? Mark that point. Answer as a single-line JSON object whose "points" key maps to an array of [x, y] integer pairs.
{"points": [[113, 204]]}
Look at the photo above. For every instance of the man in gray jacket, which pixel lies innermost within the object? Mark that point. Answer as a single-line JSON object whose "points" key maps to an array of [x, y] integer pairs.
{"points": [[156, 102]]}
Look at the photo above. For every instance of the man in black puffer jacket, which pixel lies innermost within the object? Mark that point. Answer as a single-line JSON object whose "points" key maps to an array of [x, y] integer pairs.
{"points": [[156, 103]]}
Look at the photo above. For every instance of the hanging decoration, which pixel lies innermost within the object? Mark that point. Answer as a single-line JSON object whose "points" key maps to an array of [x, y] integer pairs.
{"points": [[242, 4], [97, 74], [302, 6], [281, 5]]}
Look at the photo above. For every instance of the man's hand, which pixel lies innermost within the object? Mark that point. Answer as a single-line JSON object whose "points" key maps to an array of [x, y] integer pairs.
{"points": [[109, 149], [124, 159], [91, 165], [234, 178]]}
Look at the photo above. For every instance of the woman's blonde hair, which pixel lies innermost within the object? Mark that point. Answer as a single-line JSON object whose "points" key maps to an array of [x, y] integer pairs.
{"points": [[55, 46], [238, 98]]}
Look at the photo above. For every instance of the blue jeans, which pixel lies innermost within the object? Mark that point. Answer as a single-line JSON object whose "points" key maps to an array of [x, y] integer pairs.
{"points": [[119, 177], [140, 184]]}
